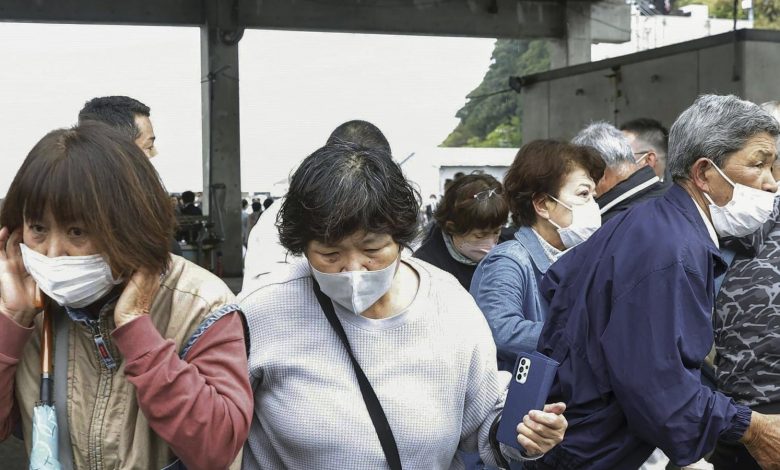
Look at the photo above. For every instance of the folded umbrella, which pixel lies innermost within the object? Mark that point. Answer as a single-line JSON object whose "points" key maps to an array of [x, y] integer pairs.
{"points": [[44, 433]]}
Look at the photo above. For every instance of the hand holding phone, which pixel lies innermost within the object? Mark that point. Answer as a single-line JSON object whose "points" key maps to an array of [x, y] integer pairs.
{"points": [[531, 381]]}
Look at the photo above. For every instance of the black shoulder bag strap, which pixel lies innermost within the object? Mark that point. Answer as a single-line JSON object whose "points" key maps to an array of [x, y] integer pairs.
{"points": [[378, 418]]}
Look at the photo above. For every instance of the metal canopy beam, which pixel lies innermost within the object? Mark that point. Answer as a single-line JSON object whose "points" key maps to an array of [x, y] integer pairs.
{"points": [[526, 19], [140, 12]]}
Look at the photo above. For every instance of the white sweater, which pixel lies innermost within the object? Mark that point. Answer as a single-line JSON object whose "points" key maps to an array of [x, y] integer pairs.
{"points": [[432, 366]]}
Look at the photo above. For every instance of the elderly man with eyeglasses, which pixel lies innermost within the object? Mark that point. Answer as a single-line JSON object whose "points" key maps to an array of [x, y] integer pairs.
{"points": [[629, 178]]}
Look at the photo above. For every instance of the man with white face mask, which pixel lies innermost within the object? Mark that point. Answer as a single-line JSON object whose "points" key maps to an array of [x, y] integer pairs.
{"points": [[629, 177], [630, 315]]}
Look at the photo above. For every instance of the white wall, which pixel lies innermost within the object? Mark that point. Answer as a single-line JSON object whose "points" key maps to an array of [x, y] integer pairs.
{"points": [[649, 32]]}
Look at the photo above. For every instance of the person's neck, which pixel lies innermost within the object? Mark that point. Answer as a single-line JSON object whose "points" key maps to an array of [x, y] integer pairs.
{"points": [[549, 233], [401, 294], [698, 197]]}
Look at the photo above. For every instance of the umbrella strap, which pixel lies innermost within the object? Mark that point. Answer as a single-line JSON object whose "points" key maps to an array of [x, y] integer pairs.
{"points": [[61, 339]]}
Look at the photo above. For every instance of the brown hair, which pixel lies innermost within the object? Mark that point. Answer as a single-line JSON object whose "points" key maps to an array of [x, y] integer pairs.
{"points": [[460, 212], [94, 175], [540, 167]]}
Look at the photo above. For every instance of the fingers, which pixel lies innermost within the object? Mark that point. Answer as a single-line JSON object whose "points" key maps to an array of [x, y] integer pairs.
{"points": [[12, 249], [552, 421], [548, 426], [532, 449], [541, 431], [556, 408]]}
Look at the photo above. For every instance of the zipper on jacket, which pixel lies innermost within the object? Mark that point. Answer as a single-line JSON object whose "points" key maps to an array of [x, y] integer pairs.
{"points": [[103, 394], [102, 347]]}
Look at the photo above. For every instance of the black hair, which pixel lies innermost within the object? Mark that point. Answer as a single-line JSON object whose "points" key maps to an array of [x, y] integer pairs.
{"points": [[187, 197], [650, 131], [257, 207], [118, 112], [343, 188], [267, 203], [362, 133]]}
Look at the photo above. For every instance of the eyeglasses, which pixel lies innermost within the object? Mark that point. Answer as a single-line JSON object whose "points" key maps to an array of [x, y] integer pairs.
{"points": [[487, 194]]}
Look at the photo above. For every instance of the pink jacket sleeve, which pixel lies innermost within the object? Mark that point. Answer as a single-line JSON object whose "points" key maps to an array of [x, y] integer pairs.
{"points": [[201, 406], [13, 337]]}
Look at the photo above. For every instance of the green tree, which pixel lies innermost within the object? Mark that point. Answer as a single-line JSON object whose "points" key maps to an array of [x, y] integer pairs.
{"points": [[766, 12], [493, 120]]}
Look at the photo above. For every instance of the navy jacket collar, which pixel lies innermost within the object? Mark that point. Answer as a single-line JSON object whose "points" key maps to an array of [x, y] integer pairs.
{"points": [[526, 237], [641, 176], [682, 201]]}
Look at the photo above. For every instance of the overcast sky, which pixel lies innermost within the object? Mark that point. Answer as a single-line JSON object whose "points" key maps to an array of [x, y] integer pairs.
{"points": [[295, 88]]}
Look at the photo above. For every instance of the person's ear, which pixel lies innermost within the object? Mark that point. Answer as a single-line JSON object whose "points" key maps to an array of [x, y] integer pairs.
{"points": [[651, 159], [701, 174], [540, 202]]}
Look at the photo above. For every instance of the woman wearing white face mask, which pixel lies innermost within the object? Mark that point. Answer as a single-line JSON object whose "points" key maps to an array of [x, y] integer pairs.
{"points": [[549, 188], [149, 363], [362, 358], [469, 219]]}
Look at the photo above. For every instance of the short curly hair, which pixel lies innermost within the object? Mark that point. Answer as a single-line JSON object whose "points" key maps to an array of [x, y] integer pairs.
{"points": [[343, 188], [540, 167]]}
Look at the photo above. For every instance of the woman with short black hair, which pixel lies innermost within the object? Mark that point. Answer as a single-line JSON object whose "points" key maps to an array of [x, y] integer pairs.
{"points": [[550, 189], [353, 304]]}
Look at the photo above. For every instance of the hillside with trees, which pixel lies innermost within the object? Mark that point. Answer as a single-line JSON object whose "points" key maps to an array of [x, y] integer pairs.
{"points": [[491, 116]]}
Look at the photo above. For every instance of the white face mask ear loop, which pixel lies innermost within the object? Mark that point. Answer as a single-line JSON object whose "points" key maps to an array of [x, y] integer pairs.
{"points": [[728, 180], [561, 203]]}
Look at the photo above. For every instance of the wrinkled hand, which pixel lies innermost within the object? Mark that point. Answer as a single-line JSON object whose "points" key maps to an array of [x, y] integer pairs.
{"points": [[17, 287], [540, 431], [136, 299], [762, 440]]}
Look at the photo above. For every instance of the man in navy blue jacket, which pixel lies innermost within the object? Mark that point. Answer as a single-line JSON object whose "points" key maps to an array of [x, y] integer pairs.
{"points": [[630, 316]]}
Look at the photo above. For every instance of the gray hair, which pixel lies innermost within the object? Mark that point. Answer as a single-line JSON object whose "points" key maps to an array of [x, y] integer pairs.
{"points": [[609, 142], [773, 108], [715, 127]]}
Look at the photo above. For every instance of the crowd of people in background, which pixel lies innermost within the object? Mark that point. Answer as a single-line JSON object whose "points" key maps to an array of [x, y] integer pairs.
{"points": [[378, 330]]}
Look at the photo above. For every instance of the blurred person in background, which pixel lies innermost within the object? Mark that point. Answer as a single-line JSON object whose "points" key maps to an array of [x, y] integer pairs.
{"points": [[649, 140], [468, 224], [628, 178], [127, 115]]}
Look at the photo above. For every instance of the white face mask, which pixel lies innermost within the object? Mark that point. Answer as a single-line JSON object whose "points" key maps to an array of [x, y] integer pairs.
{"points": [[71, 281], [745, 213], [586, 219], [356, 290], [475, 250]]}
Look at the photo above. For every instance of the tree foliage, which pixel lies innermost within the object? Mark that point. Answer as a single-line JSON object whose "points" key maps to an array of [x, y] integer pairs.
{"points": [[766, 12], [494, 121]]}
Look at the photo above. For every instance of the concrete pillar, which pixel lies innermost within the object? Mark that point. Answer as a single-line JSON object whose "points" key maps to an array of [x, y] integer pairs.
{"points": [[221, 143], [574, 48]]}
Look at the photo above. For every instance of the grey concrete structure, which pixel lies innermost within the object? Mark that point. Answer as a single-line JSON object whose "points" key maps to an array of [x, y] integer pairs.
{"points": [[575, 24], [658, 83]]}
